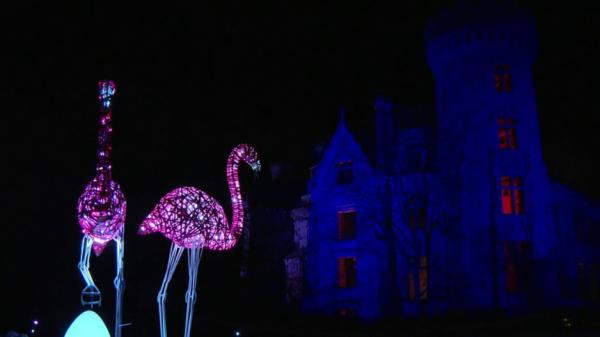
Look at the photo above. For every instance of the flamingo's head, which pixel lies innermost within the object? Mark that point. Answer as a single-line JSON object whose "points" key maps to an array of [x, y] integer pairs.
{"points": [[106, 90], [256, 168], [250, 156], [148, 226]]}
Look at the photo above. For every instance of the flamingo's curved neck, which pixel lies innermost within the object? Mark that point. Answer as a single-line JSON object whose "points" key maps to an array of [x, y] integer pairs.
{"points": [[103, 165], [237, 220]]}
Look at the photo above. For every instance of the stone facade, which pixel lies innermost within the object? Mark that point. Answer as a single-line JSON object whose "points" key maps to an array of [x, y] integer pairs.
{"points": [[459, 215]]}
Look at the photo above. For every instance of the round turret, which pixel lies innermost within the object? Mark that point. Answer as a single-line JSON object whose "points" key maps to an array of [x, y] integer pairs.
{"points": [[466, 30]]}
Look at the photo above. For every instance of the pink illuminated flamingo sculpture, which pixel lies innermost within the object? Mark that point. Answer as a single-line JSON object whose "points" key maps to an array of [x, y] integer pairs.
{"points": [[194, 220], [101, 211]]}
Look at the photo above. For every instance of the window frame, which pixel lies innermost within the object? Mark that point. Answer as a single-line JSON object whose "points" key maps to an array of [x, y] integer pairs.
{"points": [[512, 195]]}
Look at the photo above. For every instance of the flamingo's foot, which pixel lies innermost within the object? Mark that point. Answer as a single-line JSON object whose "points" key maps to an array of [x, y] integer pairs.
{"points": [[91, 297]]}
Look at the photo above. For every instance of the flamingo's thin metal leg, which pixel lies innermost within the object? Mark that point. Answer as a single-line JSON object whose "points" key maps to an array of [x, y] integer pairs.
{"points": [[174, 256], [119, 283], [90, 295], [194, 256]]}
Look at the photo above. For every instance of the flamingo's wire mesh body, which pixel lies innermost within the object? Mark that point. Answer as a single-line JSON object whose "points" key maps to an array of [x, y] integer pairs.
{"points": [[101, 211], [194, 220]]}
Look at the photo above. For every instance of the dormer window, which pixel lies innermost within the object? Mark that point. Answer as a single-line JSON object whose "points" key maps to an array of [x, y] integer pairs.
{"points": [[502, 80], [346, 225], [507, 136], [344, 172]]}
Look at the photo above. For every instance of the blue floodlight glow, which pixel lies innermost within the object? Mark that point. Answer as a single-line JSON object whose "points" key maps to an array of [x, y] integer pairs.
{"points": [[88, 324], [237, 333], [36, 322]]}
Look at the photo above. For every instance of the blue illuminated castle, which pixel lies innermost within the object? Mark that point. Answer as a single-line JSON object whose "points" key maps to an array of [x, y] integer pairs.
{"points": [[459, 215]]}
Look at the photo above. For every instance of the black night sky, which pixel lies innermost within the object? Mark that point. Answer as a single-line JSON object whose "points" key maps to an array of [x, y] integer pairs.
{"points": [[195, 80]]}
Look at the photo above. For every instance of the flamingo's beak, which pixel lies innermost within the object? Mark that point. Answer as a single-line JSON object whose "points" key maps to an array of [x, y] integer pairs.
{"points": [[256, 168], [147, 227], [142, 230]]}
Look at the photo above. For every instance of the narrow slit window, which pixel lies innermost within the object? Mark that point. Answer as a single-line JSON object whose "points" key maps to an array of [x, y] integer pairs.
{"points": [[512, 138], [412, 292], [506, 195], [502, 136], [423, 275], [510, 268], [518, 195]]}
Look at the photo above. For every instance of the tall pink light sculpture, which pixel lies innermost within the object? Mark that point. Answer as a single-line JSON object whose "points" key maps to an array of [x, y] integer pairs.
{"points": [[101, 211], [194, 220]]}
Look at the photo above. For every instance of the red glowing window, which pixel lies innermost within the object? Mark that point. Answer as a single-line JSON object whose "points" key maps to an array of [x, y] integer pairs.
{"points": [[512, 195], [347, 272], [344, 172], [512, 138], [506, 195], [518, 196], [346, 225], [502, 79], [502, 139], [507, 136]]}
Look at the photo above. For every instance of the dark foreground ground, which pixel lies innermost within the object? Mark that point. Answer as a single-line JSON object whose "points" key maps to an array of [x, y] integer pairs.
{"points": [[549, 324]]}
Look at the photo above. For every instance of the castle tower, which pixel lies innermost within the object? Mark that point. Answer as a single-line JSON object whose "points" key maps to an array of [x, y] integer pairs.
{"points": [[490, 154]]}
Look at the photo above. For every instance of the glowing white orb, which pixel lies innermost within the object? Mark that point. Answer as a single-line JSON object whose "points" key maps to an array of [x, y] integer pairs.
{"points": [[88, 324]]}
